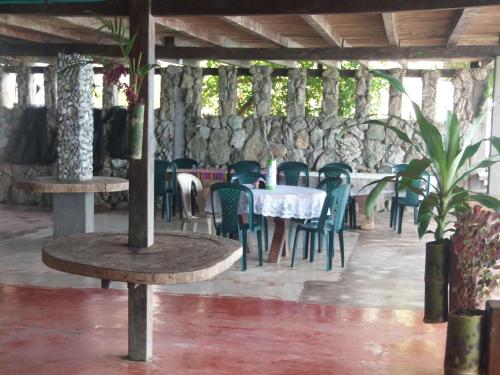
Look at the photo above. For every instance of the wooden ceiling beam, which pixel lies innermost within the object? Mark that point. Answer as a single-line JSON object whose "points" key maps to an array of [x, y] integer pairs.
{"points": [[28, 35], [464, 20], [242, 8], [390, 28], [266, 7], [321, 25], [294, 54]]}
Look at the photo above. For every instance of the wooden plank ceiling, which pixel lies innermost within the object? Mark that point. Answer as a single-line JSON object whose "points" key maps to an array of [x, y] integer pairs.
{"points": [[472, 26]]}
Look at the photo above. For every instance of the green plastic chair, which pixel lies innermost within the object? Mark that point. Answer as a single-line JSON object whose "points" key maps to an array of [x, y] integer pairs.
{"points": [[166, 188], [186, 163], [291, 171], [246, 177], [329, 184], [411, 199], [331, 170], [345, 166], [330, 222], [251, 178], [231, 223], [394, 200], [243, 166]]}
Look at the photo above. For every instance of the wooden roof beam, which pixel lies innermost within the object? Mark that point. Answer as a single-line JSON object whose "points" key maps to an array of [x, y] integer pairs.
{"points": [[242, 8], [294, 54], [28, 35], [464, 20], [321, 25], [390, 28]]}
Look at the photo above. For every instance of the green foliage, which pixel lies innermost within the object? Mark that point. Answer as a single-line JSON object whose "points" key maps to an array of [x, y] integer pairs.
{"points": [[448, 158], [347, 91], [279, 96], [377, 87]]}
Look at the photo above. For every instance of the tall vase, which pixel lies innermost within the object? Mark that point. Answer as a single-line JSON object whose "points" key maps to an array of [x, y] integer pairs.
{"points": [[464, 344], [135, 131], [436, 281]]}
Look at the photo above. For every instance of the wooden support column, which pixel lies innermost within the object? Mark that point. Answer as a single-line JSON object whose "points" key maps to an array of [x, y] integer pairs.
{"points": [[494, 170], [141, 199]]}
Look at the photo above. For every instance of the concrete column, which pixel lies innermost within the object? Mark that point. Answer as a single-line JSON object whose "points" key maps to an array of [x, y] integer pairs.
{"points": [[228, 95], [75, 121], [262, 86], [330, 103], [429, 90], [72, 213], [296, 93], [110, 96], [140, 322], [4, 89], [494, 170], [363, 78], [23, 78]]}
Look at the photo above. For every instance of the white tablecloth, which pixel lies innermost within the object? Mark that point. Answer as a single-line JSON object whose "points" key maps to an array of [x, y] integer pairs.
{"points": [[284, 201]]}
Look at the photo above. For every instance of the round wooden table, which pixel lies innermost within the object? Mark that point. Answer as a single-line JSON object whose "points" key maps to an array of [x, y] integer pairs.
{"points": [[73, 201], [175, 258]]}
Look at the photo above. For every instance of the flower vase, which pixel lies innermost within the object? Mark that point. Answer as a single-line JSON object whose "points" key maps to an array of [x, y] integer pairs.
{"points": [[135, 131]]}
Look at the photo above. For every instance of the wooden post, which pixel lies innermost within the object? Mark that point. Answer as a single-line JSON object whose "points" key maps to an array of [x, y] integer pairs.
{"points": [[140, 322], [141, 196]]}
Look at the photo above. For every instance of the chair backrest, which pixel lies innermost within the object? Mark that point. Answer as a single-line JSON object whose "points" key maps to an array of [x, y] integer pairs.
{"points": [[398, 168], [335, 172], [426, 177], [186, 182], [185, 163], [229, 197], [244, 166], [329, 184], [339, 205], [292, 170], [246, 177], [345, 166], [326, 210], [162, 183]]}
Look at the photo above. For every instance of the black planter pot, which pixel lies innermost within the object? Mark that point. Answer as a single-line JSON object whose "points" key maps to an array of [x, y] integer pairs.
{"points": [[464, 344], [437, 270]]}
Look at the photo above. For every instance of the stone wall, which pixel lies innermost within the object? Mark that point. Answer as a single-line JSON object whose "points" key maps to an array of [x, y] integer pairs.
{"points": [[227, 138]]}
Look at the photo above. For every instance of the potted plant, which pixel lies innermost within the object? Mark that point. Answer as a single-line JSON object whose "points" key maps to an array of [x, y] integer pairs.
{"points": [[448, 158], [476, 245], [114, 70]]}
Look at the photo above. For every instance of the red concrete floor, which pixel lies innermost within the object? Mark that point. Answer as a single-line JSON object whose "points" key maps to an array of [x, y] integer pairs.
{"points": [[84, 331]]}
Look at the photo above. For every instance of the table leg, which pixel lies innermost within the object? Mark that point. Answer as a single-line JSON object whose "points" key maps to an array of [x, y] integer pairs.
{"points": [[72, 213], [140, 322], [279, 241], [365, 222]]}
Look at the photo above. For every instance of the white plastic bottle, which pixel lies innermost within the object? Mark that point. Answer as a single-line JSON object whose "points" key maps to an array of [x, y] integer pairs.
{"points": [[271, 174]]}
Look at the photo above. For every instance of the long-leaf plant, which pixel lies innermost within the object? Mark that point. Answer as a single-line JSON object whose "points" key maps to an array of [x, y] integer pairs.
{"points": [[448, 158], [113, 69]]}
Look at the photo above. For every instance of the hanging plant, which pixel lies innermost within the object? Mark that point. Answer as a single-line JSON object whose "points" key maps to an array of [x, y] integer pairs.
{"points": [[114, 70]]}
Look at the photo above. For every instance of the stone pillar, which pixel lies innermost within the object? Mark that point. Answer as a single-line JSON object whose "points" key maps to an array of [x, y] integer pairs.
{"points": [[462, 97], [75, 121], [429, 90], [363, 78], [110, 94], [296, 93], [190, 94], [169, 126], [262, 86], [396, 97], [228, 95], [50, 91], [23, 78], [330, 104]]}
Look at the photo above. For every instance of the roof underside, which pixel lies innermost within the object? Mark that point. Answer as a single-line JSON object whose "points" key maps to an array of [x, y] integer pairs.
{"points": [[464, 26]]}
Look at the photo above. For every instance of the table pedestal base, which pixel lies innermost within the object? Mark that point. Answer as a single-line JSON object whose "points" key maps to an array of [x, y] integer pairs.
{"points": [[73, 213], [140, 322], [279, 241]]}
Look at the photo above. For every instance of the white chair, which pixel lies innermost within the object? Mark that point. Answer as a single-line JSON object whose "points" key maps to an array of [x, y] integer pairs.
{"points": [[185, 183]]}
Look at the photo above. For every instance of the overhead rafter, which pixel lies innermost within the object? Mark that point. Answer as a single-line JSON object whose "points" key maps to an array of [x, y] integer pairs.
{"points": [[28, 35], [47, 27], [390, 28], [242, 8], [220, 53], [464, 20], [323, 28]]}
